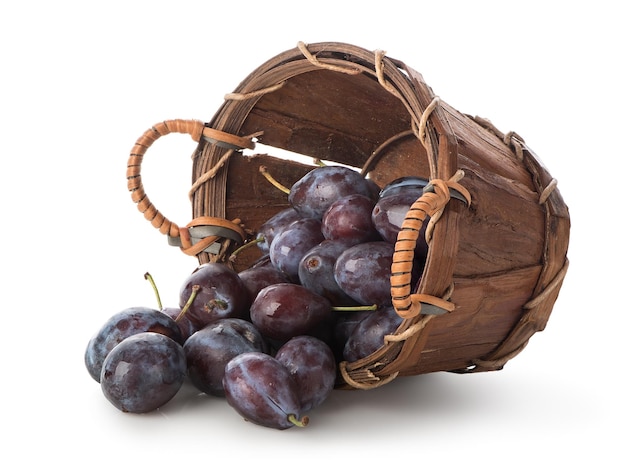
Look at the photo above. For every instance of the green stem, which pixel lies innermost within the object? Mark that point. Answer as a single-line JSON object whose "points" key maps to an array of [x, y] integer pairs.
{"points": [[148, 276], [234, 254], [298, 422], [263, 170], [355, 308], [194, 290]]}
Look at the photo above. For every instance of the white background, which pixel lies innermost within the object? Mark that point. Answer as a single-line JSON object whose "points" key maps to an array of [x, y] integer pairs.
{"points": [[81, 81]]}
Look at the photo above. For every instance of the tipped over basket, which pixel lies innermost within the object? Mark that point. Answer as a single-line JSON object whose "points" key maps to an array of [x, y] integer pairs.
{"points": [[498, 231]]}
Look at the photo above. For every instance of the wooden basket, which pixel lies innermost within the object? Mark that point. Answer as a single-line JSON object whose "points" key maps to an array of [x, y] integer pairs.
{"points": [[499, 229]]}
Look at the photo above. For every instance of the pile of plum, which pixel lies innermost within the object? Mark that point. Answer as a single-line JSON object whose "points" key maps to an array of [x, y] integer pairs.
{"points": [[269, 338]]}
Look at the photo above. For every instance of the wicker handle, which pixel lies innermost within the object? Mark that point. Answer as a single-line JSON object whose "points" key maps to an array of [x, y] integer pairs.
{"points": [[133, 173], [431, 203], [197, 130]]}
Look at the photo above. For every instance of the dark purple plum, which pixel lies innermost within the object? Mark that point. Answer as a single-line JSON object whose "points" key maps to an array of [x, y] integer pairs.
{"points": [[316, 271], [256, 278], [312, 364], [261, 390], [273, 225], [283, 311], [209, 349], [364, 271], [187, 326], [143, 372], [368, 335], [374, 189], [319, 188], [221, 294], [349, 218], [292, 242], [345, 323], [123, 324]]}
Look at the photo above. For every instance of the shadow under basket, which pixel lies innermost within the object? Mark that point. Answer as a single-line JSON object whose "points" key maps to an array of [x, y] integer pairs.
{"points": [[498, 231]]}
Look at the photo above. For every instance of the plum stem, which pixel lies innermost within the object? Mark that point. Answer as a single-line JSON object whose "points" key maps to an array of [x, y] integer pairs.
{"points": [[259, 239], [149, 277], [263, 170], [303, 422], [194, 291], [354, 308]]}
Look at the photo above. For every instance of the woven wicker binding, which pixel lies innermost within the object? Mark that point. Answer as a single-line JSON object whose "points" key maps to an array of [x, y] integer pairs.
{"points": [[499, 229]]}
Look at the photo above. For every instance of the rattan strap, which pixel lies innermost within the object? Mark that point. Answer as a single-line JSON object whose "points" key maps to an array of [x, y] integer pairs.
{"points": [[433, 201], [202, 233]]}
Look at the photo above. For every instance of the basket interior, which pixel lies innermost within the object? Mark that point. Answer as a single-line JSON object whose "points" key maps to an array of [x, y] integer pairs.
{"points": [[330, 116]]}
